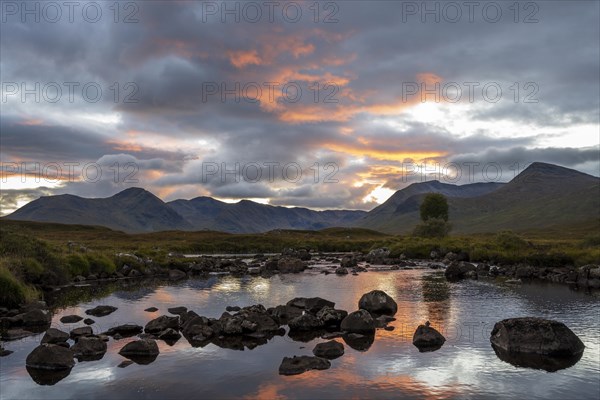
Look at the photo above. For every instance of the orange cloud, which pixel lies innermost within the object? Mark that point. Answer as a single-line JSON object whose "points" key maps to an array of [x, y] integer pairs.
{"points": [[240, 59]]}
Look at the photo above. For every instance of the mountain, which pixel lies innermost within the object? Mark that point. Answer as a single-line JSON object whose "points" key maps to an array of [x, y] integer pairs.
{"points": [[132, 210], [543, 196], [137, 210], [250, 217], [400, 213]]}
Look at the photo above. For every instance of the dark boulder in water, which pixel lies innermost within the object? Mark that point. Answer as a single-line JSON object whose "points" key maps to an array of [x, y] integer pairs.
{"points": [[427, 338], [300, 364]]}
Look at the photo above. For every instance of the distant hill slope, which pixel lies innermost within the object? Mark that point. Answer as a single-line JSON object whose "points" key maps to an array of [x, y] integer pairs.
{"points": [[132, 210], [137, 210], [250, 217], [542, 196]]}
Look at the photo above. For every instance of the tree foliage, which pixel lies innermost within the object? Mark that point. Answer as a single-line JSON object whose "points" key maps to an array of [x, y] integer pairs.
{"points": [[434, 205]]}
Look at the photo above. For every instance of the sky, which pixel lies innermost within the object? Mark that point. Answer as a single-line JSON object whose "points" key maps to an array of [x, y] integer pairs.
{"points": [[328, 105]]}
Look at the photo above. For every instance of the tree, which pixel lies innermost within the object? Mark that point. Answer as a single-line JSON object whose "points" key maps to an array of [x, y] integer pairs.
{"points": [[434, 205]]}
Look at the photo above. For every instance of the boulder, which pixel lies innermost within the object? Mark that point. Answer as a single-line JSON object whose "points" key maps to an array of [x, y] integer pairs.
{"points": [[89, 321], [284, 313], [427, 338], [50, 357], [143, 348], [331, 317], [290, 265], [458, 270], [341, 271], [89, 348], [55, 336], [177, 310], [310, 304], [359, 321], [70, 319], [101, 311], [305, 322], [161, 323], [329, 350], [378, 302], [169, 335], [348, 262], [531, 335], [79, 332], [300, 364], [37, 317]]}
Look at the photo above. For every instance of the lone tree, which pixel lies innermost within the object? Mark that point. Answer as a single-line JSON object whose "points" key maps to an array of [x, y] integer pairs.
{"points": [[434, 205], [434, 214]]}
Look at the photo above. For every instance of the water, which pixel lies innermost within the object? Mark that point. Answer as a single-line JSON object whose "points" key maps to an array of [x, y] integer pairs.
{"points": [[465, 367]]}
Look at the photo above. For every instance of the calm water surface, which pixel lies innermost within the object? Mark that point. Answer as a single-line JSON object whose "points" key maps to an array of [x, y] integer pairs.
{"points": [[465, 367]]}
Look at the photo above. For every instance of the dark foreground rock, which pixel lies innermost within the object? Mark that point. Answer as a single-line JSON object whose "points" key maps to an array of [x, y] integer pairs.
{"points": [[359, 321], [50, 357], [89, 349], [378, 302], [101, 311], [70, 319], [161, 323], [427, 338], [305, 322], [124, 330], [530, 335], [36, 317], [83, 331], [300, 364], [329, 350], [310, 304], [331, 317]]}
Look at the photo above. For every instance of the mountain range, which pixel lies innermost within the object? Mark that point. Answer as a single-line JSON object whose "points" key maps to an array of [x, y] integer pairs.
{"points": [[543, 196]]}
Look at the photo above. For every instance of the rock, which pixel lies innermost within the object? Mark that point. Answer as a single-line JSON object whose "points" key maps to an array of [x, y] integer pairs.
{"points": [[348, 262], [290, 265], [50, 357], [358, 322], [89, 321], [55, 336], [341, 271], [89, 348], [524, 271], [161, 323], [305, 322], [70, 319], [378, 256], [144, 348], [177, 310], [458, 270], [79, 332], [175, 275], [151, 309], [531, 335], [310, 304], [331, 317], [232, 308], [284, 313], [101, 311], [124, 330], [300, 364], [169, 334], [378, 302], [37, 317], [125, 364], [388, 328], [16, 334], [329, 350], [427, 338]]}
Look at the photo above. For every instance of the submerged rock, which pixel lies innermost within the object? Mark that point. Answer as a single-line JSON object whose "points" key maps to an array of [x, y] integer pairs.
{"points": [[329, 350], [359, 321], [378, 302], [427, 338], [70, 319], [359, 341], [101, 311], [300, 364], [531, 335]]}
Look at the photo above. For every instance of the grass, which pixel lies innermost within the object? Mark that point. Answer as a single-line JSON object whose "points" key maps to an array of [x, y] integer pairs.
{"points": [[33, 253]]}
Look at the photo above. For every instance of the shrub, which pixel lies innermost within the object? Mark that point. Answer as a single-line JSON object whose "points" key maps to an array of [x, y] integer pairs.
{"points": [[100, 263], [32, 270], [12, 291], [433, 228], [78, 265], [509, 240]]}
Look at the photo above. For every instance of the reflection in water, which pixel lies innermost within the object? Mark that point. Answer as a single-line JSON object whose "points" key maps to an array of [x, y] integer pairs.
{"points": [[385, 365], [537, 361], [46, 377]]}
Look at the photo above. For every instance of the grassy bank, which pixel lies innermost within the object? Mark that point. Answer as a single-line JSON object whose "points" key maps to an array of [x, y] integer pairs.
{"points": [[34, 254]]}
